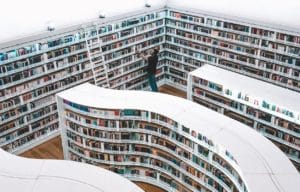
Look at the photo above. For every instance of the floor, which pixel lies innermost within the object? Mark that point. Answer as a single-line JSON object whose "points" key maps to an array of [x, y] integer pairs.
{"points": [[172, 91], [52, 149], [149, 188]]}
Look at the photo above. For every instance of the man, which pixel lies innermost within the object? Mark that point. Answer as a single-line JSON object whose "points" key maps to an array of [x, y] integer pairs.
{"points": [[152, 60]]}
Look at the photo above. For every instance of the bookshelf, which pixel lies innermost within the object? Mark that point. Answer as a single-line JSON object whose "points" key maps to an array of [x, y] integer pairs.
{"points": [[99, 53], [165, 139], [252, 102], [102, 51], [138, 143]]}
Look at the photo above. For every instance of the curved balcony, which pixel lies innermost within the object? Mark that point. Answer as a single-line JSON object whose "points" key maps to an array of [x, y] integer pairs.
{"points": [[22, 174]]}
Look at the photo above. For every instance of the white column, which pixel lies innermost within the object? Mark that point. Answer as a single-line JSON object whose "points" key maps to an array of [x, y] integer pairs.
{"points": [[149, 138], [273, 120], [255, 125], [63, 128], [189, 90], [102, 147], [210, 154], [221, 110], [157, 176], [83, 142]]}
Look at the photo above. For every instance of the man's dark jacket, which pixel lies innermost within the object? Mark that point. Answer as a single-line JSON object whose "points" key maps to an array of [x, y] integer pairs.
{"points": [[152, 62]]}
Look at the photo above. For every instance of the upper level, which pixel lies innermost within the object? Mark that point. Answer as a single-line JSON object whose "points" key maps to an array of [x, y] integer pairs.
{"points": [[18, 30], [33, 175], [281, 14], [253, 162], [269, 98]]}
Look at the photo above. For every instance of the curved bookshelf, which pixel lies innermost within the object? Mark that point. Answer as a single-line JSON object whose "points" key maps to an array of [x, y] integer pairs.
{"points": [[176, 143]]}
